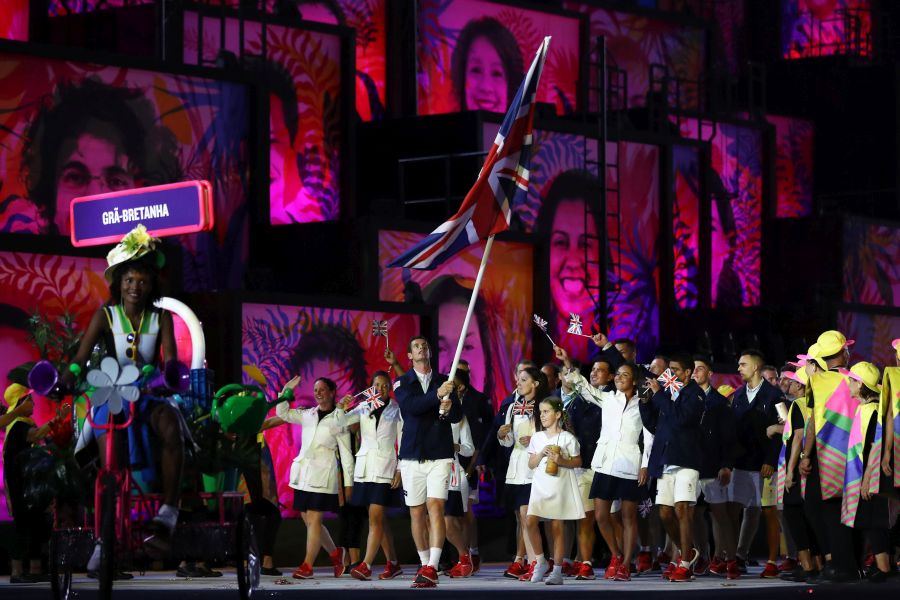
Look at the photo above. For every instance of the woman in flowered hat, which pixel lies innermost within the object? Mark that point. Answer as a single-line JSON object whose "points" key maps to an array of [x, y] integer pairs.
{"points": [[137, 333]]}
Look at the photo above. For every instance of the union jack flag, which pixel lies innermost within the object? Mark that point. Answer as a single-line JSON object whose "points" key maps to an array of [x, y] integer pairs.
{"points": [[575, 324], [541, 323], [379, 328], [669, 381], [523, 408], [503, 179], [373, 398]]}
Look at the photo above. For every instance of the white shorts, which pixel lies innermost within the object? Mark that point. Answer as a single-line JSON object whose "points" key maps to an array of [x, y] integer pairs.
{"points": [[585, 478], [745, 488], [714, 492], [678, 485], [425, 479]]}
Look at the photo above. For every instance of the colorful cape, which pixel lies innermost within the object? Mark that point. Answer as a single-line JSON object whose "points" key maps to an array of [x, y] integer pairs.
{"points": [[855, 469], [834, 411], [890, 392]]}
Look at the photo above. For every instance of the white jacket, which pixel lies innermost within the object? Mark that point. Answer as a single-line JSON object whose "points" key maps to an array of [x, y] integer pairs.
{"points": [[618, 453], [462, 435], [315, 467], [518, 472], [376, 460]]}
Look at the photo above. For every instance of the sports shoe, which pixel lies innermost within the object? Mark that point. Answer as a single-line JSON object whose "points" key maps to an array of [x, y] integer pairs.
{"points": [[623, 573], [337, 559], [585, 572], [770, 572], [718, 567], [681, 574], [361, 572], [669, 570], [463, 568], [540, 570], [789, 564], [741, 564], [570, 569], [701, 567], [476, 563], [526, 576], [304, 571], [556, 578], [868, 561], [662, 561], [515, 570], [613, 566], [644, 562], [391, 570], [732, 570], [427, 577]]}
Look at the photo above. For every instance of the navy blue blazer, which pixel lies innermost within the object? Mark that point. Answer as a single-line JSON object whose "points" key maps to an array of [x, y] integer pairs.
{"points": [[425, 435], [752, 419], [718, 437], [586, 421], [676, 428], [492, 454], [479, 412]]}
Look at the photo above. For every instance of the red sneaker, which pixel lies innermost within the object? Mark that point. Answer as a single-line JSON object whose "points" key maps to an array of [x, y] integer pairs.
{"points": [[701, 567], [361, 572], [662, 561], [718, 567], [644, 562], [526, 576], [304, 571], [789, 564], [337, 560], [623, 573], [515, 570], [476, 564], [463, 568], [427, 577], [391, 570], [770, 572], [585, 572], [669, 570], [732, 570], [570, 569], [613, 566], [867, 562], [681, 574]]}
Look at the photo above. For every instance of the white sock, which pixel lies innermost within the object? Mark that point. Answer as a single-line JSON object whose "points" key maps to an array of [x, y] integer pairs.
{"points": [[684, 564], [540, 559], [168, 514], [557, 569], [518, 559], [94, 561], [424, 555], [435, 558], [587, 562], [473, 551]]}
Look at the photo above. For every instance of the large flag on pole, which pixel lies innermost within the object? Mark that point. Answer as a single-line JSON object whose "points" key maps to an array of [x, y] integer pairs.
{"points": [[486, 209]]}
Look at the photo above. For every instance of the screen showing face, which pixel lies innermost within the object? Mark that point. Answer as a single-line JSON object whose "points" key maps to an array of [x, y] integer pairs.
{"points": [[303, 74], [794, 143], [634, 42], [72, 129], [500, 330], [473, 54], [314, 342]]}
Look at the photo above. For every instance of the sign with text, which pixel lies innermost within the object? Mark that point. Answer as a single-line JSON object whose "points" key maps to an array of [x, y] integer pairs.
{"points": [[171, 209]]}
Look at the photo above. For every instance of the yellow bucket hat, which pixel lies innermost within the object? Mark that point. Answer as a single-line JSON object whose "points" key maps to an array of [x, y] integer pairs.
{"points": [[814, 353], [725, 389], [799, 376], [14, 393], [896, 345], [867, 374], [831, 342]]}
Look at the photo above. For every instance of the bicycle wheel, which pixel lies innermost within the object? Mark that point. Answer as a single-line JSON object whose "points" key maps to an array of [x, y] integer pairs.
{"points": [[61, 556], [247, 557], [107, 572]]}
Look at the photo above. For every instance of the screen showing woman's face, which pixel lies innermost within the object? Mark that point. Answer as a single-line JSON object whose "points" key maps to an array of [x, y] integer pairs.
{"points": [[451, 316], [568, 272], [486, 87]]}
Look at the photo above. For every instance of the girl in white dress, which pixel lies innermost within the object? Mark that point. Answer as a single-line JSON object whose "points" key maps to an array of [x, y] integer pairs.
{"points": [[554, 497]]}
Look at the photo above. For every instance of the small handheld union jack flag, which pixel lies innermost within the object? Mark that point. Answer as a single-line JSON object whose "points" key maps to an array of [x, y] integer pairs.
{"points": [[523, 409], [575, 325], [542, 325], [373, 398], [669, 381], [380, 328]]}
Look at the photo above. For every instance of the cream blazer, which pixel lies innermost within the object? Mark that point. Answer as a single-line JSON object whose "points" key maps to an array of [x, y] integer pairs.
{"points": [[315, 467]]}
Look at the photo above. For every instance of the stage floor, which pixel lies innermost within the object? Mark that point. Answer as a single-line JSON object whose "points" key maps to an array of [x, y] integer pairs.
{"points": [[489, 582]]}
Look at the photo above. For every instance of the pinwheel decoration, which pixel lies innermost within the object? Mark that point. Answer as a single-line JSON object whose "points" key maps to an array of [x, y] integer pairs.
{"points": [[113, 383]]}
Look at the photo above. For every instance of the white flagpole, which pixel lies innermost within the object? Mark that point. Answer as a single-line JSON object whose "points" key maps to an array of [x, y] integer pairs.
{"points": [[472, 300]]}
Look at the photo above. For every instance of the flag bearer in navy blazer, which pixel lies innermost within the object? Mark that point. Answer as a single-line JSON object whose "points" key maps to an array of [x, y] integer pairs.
{"points": [[428, 405], [674, 419]]}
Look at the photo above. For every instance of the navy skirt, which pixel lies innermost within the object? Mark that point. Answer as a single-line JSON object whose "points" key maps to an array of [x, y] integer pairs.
{"points": [[516, 495], [607, 487], [366, 493], [454, 506], [304, 501]]}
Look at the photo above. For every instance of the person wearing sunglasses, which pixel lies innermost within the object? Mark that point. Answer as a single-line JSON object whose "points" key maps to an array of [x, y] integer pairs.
{"points": [[137, 333]]}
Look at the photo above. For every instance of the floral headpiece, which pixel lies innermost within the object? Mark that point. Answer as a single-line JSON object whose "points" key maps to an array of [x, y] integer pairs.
{"points": [[136, 244]]}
